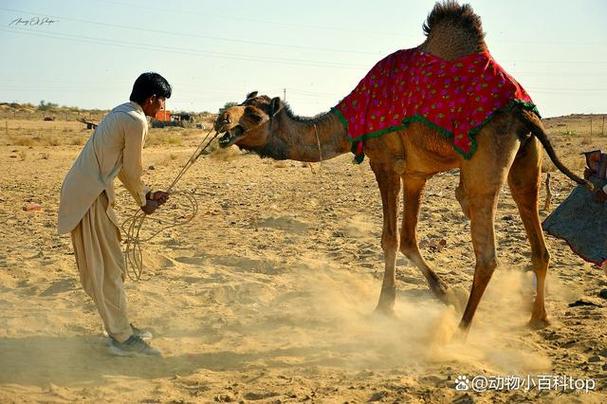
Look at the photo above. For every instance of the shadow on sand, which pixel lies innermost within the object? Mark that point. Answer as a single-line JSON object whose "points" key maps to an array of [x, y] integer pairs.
{"points": [[79, 360]]}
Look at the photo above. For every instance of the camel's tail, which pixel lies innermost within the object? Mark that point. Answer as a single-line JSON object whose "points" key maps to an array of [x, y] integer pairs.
{"points": [[534, 124]]}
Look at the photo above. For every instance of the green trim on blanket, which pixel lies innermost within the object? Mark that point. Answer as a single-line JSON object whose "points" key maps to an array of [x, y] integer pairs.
{"points": [[444, 132], [341, 117]]}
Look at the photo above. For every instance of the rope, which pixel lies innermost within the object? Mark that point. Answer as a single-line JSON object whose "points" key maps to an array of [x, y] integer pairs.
{"points": [[318, 144], [319, 178], [132, 226]]}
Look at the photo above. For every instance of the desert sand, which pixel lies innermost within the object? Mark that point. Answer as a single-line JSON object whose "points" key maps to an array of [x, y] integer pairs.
{"points": [[267, 295]]}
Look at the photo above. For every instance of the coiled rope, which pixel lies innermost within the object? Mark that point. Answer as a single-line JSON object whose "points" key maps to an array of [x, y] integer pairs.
{"points": [[132, 226]]}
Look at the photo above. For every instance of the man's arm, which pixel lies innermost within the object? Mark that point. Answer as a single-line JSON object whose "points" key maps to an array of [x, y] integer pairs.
{"points": [[132, 167]]}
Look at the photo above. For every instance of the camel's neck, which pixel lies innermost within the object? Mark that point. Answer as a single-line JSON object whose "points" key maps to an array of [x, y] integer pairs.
{"points": [[449, 42], [306, 139]]}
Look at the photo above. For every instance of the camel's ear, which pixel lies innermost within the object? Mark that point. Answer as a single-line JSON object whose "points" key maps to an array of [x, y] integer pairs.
{"points": [[254, 114], [274, 106], [252, 95]]}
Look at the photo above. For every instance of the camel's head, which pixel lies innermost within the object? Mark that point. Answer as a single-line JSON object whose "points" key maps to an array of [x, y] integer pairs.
{"points": [[248, 124]]}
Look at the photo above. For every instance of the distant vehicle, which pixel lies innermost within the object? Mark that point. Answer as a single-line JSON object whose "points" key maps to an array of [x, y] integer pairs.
{"points": [[89, 124], [166, 118]]}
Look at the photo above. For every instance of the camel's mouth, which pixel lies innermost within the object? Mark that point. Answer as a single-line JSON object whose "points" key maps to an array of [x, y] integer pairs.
{"points": [[231, 136]]}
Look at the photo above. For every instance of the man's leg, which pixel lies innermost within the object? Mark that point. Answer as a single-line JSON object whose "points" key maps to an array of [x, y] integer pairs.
{"points": [[100, 262]]}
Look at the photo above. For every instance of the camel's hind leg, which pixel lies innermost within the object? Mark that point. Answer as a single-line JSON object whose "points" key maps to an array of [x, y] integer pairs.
{"points": [[412, 191], [389, 186], [482, 178], [524, 181]]}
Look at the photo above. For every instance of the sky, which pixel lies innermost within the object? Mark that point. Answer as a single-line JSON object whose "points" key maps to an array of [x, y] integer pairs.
{"points": [[88, 53]]}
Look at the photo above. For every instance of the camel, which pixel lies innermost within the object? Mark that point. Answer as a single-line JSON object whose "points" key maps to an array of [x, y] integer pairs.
{"points": [[508, 148]]}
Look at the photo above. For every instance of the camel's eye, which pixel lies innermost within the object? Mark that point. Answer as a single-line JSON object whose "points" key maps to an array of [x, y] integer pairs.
{"points": [[227, 119]]}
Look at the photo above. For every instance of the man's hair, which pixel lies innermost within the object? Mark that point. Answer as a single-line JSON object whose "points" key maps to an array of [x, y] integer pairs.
{"points": [[149, 84]]}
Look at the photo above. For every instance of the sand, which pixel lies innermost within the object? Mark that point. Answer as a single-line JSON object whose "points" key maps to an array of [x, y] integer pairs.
{"points": [[268, 294]]}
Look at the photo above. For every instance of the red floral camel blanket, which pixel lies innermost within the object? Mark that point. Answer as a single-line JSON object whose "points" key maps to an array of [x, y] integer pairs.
{"points": [[455, 97]]}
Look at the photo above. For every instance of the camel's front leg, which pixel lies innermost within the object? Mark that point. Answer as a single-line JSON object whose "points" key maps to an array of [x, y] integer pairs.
{"points": [[389, 186], [412, 190]]}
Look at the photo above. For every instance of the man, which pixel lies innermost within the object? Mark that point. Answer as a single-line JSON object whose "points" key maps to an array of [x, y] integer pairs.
{"points": [[87, 200]]}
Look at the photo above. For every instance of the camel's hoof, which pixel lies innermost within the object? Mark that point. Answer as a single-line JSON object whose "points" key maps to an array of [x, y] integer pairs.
{"points": [[461, 334], [385, 305], [385, 311], [538, 324], [456, 297], [439, 290], [441, 293]]}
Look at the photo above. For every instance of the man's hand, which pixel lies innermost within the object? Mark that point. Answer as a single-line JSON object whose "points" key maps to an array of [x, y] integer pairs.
{"points": [[159, 196], [153, 200], [149, 207]]}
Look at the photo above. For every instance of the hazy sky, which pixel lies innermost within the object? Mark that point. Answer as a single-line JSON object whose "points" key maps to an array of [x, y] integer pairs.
{"points": [[217, 51]]}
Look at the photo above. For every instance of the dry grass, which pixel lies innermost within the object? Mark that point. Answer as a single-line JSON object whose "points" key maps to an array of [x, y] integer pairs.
{"points": [[587, 140], [48, 140], [77, 141], [21, 141], [22, 134], [36, 132], [43, 126], [571, 136], [30, 134], [175, 136], [164, 138]]}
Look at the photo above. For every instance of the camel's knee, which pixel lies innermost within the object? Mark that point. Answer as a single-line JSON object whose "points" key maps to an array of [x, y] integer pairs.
{"points": [[389, 243], [488, 261], [543, 255], [540, 260], [485, 266]]}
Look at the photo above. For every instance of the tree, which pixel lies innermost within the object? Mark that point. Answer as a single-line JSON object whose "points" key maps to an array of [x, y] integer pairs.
{"points": [[227, 105], [45, 106]]}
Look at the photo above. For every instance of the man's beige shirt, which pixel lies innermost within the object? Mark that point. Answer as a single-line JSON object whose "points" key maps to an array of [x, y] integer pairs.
{"points": [[114, 150]]}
